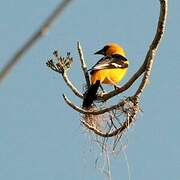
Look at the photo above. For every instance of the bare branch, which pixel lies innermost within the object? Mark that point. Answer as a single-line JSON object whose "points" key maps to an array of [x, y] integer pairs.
{"points": [[148, 59], [83, 64], [33, 39], [71, 86], [92, 110], [62, 65], [154, 45], [106, 96]]}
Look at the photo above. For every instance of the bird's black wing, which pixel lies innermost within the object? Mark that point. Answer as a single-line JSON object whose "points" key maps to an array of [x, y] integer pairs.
{"points": [[110, 62]]}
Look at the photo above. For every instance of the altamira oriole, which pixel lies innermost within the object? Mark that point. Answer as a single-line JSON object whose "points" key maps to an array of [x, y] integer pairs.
{"points": [[110, 69]]}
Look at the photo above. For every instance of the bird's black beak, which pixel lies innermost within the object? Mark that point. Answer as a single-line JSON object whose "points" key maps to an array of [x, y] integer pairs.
{"points": [[100, 52]]}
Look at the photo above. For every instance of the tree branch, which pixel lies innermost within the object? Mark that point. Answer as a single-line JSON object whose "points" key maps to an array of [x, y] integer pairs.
{"points": [[62, 65], [33, 39], [71, 86], [154, 45], [107, 96], [83, 64], [93, 111], [147, 64]]}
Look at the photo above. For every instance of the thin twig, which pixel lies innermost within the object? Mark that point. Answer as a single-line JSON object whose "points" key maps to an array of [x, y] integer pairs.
{"points": [[83, 64], [71, 86], [33, 39], [59, 68]]}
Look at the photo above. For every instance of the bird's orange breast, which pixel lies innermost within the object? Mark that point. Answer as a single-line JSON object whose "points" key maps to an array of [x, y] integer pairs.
{"points": [[107, 76]]}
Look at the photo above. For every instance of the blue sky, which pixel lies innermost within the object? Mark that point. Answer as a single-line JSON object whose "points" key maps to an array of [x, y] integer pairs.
{"points": [[40, 136]]}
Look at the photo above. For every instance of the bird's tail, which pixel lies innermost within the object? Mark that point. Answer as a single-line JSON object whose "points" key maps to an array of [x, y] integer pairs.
{"points": [[90, 94]]}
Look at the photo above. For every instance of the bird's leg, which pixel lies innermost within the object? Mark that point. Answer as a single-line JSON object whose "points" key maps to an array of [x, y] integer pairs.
{"points": [[102, 88], [115, 87], [113, 83]]}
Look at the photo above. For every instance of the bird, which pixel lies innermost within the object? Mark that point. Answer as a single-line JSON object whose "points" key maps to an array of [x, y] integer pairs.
{"points": [[110, 69]]}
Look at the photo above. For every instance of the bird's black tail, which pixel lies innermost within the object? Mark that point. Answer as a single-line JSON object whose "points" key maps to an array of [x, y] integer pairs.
{"points": [[90, 94]]}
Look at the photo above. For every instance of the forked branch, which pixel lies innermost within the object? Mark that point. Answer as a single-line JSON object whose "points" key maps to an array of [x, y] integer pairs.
{"points": [[61, 66], [131, 102]]}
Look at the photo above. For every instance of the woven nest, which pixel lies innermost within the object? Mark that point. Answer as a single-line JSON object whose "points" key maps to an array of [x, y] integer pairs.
{"points": [[114, 122]]}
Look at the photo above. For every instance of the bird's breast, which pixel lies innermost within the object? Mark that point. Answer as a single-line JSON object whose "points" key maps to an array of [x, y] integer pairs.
{"points": [[107, 76]]}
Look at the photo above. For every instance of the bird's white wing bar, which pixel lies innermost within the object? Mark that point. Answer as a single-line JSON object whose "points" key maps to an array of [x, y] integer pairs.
{"points": [[107, 66], [116, 65], [109, 62], [100, 66]]}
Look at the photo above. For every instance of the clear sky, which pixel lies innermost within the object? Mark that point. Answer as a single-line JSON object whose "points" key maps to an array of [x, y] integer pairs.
{"points": [[40, 136]]}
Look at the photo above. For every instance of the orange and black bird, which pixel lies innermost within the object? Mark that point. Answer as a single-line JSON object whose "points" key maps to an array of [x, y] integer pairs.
{"points": [[110, 69]]}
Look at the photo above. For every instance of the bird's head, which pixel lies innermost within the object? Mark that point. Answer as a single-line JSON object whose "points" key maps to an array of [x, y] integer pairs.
{"points": [[111, 49]]}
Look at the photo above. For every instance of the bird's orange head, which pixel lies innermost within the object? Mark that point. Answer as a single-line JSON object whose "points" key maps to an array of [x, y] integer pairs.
{"points": [[111, 49]]}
